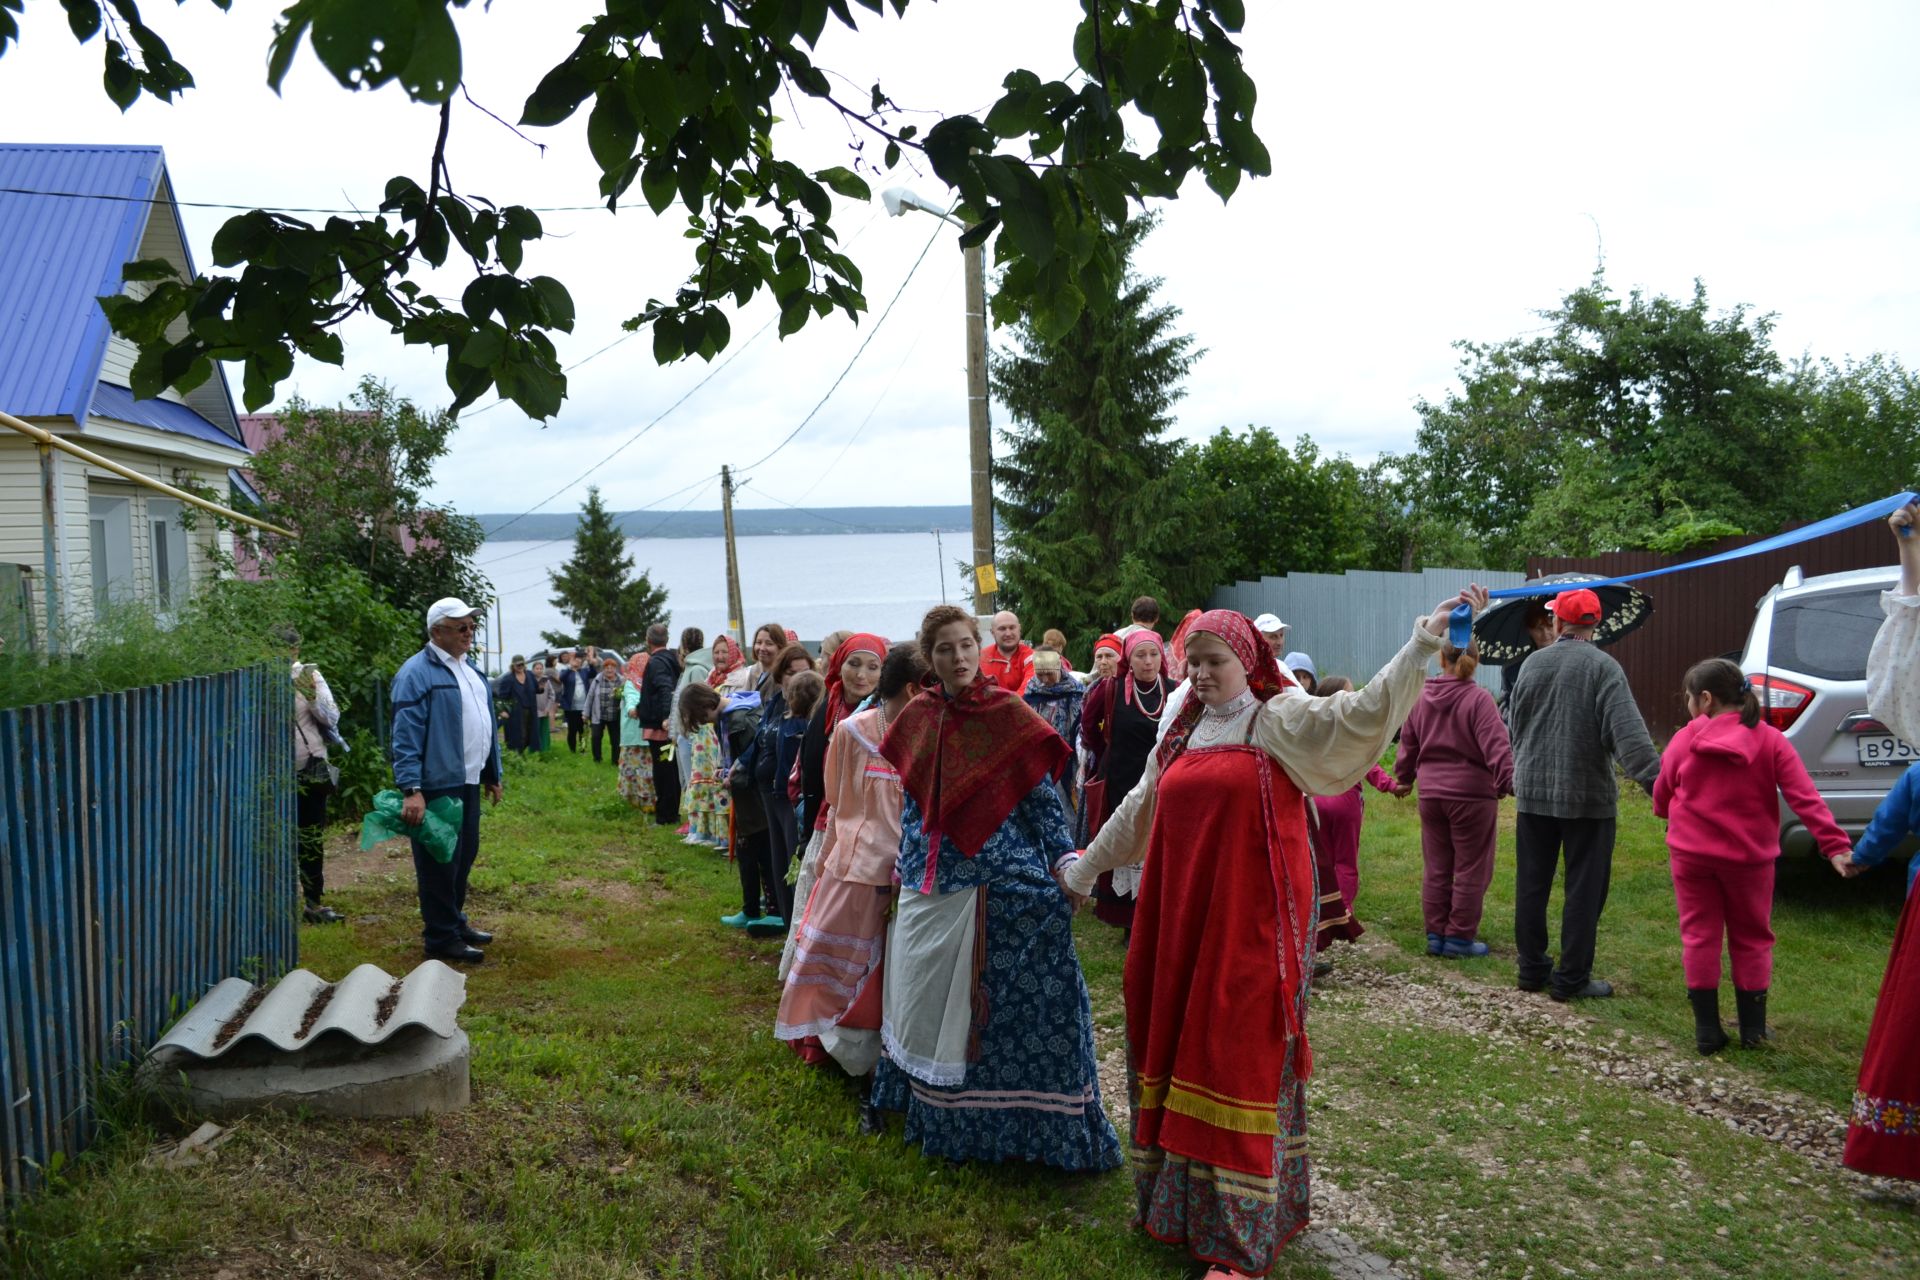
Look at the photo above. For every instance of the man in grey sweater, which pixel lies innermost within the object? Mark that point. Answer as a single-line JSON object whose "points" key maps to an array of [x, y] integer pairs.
{"points": [[1571, 717]]}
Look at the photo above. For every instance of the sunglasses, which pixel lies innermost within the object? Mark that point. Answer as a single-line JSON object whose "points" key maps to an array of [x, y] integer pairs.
{"points": [[462, 628]]}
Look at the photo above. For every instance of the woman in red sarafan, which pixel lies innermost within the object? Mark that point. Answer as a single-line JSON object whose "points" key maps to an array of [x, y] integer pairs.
{"points": [[1219, 967], [1883, 1136]]}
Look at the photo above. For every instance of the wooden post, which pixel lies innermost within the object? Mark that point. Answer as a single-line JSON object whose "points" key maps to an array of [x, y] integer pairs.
{"points": [[986, 585], [736, 615]]}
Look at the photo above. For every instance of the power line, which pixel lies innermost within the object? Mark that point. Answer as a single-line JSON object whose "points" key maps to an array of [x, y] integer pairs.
{"points": [[878, 400], [805, 511], [711, 375], [704, 485], [871, 335], [550, 542]]}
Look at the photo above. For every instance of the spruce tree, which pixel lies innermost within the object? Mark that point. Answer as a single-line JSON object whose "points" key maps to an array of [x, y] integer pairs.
{"points": [[1090, 520], [594, 588]]}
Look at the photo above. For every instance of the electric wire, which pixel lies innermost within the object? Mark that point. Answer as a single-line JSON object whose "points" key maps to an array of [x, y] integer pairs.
{"points": [[865, 342], [552, 542], [645, 533]]}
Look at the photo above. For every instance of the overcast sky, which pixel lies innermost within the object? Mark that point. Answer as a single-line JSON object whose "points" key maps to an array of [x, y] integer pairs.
{"points": [[1442, 171]]}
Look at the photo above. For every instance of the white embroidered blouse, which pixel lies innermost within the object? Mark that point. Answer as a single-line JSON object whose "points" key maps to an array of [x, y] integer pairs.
{"points": [[1324, 744]]}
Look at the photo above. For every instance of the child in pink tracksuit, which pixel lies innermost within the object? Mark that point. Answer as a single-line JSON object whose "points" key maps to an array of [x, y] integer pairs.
{"points": [[1719, 787]]}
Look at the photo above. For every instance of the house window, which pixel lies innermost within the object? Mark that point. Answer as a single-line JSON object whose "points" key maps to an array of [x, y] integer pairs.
{"points": [[110, 530], [171, 578]]}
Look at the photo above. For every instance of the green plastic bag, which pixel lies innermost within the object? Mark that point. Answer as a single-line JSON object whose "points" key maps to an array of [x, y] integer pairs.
{"points": [[439, 830]]}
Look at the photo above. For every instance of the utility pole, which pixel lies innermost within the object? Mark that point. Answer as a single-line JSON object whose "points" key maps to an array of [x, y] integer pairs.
{"points": [[986, 583], [736, 616]]}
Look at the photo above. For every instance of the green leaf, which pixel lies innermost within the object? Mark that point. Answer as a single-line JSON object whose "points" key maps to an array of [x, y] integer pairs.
{"points": [[83, 18], [149, 269], [845, 182], [325, 346], [1224, 178], [485, 348], [1232, 14], [612, 129], [557, 96], [556, 300], [656, 183], [1014, 115], [668, 343], [1059, 310], [364, 43], [654, 92], [121, 80], [287, 34], [433, 72], [1238, 137], [795, 312]]}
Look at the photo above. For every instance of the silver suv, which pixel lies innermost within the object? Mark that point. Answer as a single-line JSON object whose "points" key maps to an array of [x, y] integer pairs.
{"points": [[1807, 659]]}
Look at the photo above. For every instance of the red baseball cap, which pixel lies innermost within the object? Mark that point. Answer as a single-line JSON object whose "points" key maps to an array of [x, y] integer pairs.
{"points": [[1579, 607]]}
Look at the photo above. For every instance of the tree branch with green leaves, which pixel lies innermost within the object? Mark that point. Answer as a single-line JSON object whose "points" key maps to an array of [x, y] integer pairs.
{"points": [[680, 98]]}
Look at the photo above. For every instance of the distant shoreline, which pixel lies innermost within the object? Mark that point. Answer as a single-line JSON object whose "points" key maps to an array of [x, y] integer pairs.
{"points": [[757, 522]]}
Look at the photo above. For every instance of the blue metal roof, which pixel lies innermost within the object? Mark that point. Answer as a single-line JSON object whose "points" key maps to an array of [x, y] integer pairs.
{"points": [[57, 256], [110, 401], [244, 487]]}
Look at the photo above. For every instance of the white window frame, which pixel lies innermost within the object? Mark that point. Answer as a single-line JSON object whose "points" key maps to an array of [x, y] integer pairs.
{"points": [[170, 553], [110, 539]]}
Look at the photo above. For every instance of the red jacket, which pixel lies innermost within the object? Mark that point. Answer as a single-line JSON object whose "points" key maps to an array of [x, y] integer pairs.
{"points": [[1720, 785], [1010, 672]]}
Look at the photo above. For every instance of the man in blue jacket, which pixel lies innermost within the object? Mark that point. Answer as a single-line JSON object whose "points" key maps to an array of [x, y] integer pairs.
{"points": [[444, 745]]}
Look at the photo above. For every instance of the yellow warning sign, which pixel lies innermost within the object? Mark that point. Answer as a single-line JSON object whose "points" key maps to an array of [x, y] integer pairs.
{"points": [[989, 581]]}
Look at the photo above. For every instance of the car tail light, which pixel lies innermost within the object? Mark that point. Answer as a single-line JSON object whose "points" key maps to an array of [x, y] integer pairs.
{"points": [[1864, 724], [1781, 700]]}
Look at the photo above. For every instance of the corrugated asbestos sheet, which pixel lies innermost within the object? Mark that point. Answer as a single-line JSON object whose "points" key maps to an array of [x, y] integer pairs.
{"points": [[428, 997]]}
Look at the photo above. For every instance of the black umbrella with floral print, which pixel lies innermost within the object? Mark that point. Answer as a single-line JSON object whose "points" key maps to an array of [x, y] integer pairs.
{"points": [[1502, 632]]}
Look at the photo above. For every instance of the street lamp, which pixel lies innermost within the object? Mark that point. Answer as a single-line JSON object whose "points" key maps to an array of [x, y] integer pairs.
{"points": [[986, 585]]}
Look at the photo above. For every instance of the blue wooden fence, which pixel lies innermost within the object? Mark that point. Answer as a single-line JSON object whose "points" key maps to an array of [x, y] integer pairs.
{"points": [[146, 852]]}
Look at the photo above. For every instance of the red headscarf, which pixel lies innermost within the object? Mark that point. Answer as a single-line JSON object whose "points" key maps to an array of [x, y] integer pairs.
{"points": [[1112, 642], [968, 760], [724, 667], [861, 642], [1264, 676], [1139, 640]]}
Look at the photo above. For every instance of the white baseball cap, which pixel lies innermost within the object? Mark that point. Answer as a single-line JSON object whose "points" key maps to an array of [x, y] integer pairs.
{"points": [[448, 607], [1268, 622]]}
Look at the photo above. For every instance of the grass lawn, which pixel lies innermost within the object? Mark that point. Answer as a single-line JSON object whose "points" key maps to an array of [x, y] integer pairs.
{"points": [[632, 1114]]}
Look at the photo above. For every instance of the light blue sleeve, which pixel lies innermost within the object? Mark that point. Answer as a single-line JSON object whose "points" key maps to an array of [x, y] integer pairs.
{"points": [[1893, 822]]}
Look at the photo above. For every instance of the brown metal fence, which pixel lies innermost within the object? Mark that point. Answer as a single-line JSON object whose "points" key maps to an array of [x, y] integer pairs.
{"points": [[1707, 613]]}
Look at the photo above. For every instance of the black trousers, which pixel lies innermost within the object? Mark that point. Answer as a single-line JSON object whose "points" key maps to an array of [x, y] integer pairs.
{"points": [[666, 786], [576, 729], [1538, 842], [757, 897], [782, 832], [443, 885], [310, 823], [610, 728]]}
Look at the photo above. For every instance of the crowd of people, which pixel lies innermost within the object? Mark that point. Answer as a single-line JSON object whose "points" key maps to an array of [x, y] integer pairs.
{"points": [[919, 821]]}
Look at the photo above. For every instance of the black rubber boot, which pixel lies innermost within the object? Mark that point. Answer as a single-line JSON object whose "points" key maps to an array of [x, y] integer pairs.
{"points": [[1753, 1017], [1708, 1035]]}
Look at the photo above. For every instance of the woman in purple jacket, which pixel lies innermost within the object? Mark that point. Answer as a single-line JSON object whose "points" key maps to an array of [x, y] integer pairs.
{"points": [[1455, 745]]}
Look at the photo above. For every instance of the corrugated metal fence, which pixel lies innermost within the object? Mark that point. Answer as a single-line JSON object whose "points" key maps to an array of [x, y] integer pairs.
{"points": [[146, 852], [1353, 622], [1707, 613]]}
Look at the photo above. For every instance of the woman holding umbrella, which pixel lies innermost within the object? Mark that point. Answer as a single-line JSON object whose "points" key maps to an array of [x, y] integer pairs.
{"points": [[1217, 976]]}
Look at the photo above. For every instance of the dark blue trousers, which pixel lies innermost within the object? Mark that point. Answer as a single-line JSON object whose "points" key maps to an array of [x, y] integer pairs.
{"points": [[443, 885]]}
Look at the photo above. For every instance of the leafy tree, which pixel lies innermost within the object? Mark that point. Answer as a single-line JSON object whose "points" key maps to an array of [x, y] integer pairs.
{"points": [[1289, 510], [684, 96], [1862, 433], [593, 588], [1087, 495], [1626, 421], [350, 482]]}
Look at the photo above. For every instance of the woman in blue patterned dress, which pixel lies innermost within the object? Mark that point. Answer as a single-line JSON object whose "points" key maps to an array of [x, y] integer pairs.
{"points": [[985, 1018]]}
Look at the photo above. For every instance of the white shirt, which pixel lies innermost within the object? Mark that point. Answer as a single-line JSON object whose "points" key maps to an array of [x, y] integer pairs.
{"points": [[476, 712]]}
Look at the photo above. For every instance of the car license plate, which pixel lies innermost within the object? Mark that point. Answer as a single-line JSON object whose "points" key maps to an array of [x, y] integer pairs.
{"points": [[1884, 751]]}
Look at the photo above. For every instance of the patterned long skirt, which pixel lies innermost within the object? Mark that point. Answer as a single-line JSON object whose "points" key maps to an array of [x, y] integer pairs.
{"points": [[1884, 1134], [707, 803], [636, 777]]}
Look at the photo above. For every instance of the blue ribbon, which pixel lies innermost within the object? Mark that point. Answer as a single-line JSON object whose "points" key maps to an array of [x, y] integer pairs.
{"points": [[1460, 622]]}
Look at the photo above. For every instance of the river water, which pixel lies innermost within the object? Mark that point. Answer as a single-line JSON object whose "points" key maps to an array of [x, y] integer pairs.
{"points": [[811, 583]]}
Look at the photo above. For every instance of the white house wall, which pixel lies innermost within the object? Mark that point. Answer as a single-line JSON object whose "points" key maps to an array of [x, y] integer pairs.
{"points": [[21, 516]]}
